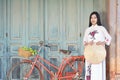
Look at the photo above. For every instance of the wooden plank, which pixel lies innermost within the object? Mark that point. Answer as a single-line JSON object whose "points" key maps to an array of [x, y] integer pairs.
{"points": [[113, 27], [118, 39]]}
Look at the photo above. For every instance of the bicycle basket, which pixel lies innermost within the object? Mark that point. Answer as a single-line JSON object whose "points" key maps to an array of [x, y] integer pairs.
{"points": [[23, 53]]}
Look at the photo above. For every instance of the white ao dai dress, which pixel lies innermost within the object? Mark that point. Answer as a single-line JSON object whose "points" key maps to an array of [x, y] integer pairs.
{"points": [[96, 33]]}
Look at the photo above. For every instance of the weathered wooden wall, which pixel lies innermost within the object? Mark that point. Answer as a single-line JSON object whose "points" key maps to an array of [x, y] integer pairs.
{"points": [[114, 28]]}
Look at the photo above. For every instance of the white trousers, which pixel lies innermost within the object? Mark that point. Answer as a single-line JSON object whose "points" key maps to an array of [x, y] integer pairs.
{"points": [[98, 71]]}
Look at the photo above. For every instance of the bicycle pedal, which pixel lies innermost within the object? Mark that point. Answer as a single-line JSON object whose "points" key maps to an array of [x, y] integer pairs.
{"points": [[78, 78]]}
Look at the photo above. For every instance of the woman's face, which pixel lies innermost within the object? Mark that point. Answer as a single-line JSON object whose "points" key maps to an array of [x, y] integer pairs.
{"points": [[94, 19]]}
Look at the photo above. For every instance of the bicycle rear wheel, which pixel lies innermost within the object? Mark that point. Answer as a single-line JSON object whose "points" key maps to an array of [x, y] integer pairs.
{"points": [[73, 68], [19, 70]]}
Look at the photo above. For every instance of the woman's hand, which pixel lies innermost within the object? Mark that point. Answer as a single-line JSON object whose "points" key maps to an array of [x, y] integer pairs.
{"points": [[88, 43], [97, 43], [100, 43]]}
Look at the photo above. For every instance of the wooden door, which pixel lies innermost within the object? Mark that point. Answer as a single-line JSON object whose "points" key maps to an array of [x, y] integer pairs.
{"points": [[16, 25], [24, 27], [59, 23], [65, 22]]}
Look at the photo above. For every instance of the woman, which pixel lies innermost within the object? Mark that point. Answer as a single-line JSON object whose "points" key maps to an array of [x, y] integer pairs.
{"points": [[100, 37]]}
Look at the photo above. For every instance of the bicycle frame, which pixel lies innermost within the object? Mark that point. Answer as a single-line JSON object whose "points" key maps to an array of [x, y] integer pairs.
{"points": [[58, 74], [74, 63]]}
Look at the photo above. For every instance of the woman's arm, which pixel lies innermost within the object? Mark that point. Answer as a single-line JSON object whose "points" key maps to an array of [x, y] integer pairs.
{"points": [[108, 38]]}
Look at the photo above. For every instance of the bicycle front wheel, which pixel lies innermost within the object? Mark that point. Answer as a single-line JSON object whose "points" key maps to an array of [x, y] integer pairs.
{"points": [[19, 70]]}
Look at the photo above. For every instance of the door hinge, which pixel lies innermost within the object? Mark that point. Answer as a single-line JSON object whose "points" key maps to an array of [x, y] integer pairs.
{"points": [[80, 34], [6, 34]]}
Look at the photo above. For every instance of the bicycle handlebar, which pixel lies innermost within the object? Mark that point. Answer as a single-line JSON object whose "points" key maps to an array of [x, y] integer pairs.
{"points": [[47, 46], [41, 44], [65, 51]]}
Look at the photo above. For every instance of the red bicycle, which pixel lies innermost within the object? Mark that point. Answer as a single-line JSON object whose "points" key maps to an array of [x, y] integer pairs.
{"points": [[70, 69]]}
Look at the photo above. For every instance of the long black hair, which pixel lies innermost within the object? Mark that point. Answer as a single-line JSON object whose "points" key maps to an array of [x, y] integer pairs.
{"points": [[98, 18]]}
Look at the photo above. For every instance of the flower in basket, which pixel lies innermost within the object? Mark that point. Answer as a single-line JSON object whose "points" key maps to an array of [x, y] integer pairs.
{"points": [[26, 52], [33, 52]]}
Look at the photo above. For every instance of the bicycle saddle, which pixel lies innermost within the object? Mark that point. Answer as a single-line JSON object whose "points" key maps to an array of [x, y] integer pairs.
{"points": [[65, 51]]}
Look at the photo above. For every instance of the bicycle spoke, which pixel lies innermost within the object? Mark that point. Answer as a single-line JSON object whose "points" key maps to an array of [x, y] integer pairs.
{"points": [[79, 66], [72, 66], [72, 70], [19, 71]]}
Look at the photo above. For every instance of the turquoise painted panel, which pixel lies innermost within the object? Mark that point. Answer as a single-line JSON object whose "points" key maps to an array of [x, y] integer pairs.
{"points": [[71, 28], [3, 40], [53, 31], [16, 26], [0, 69], [53, 26], [2, 28], [35, 23], [35, 27], [65, 22], [52, 20], [25, 19]]}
